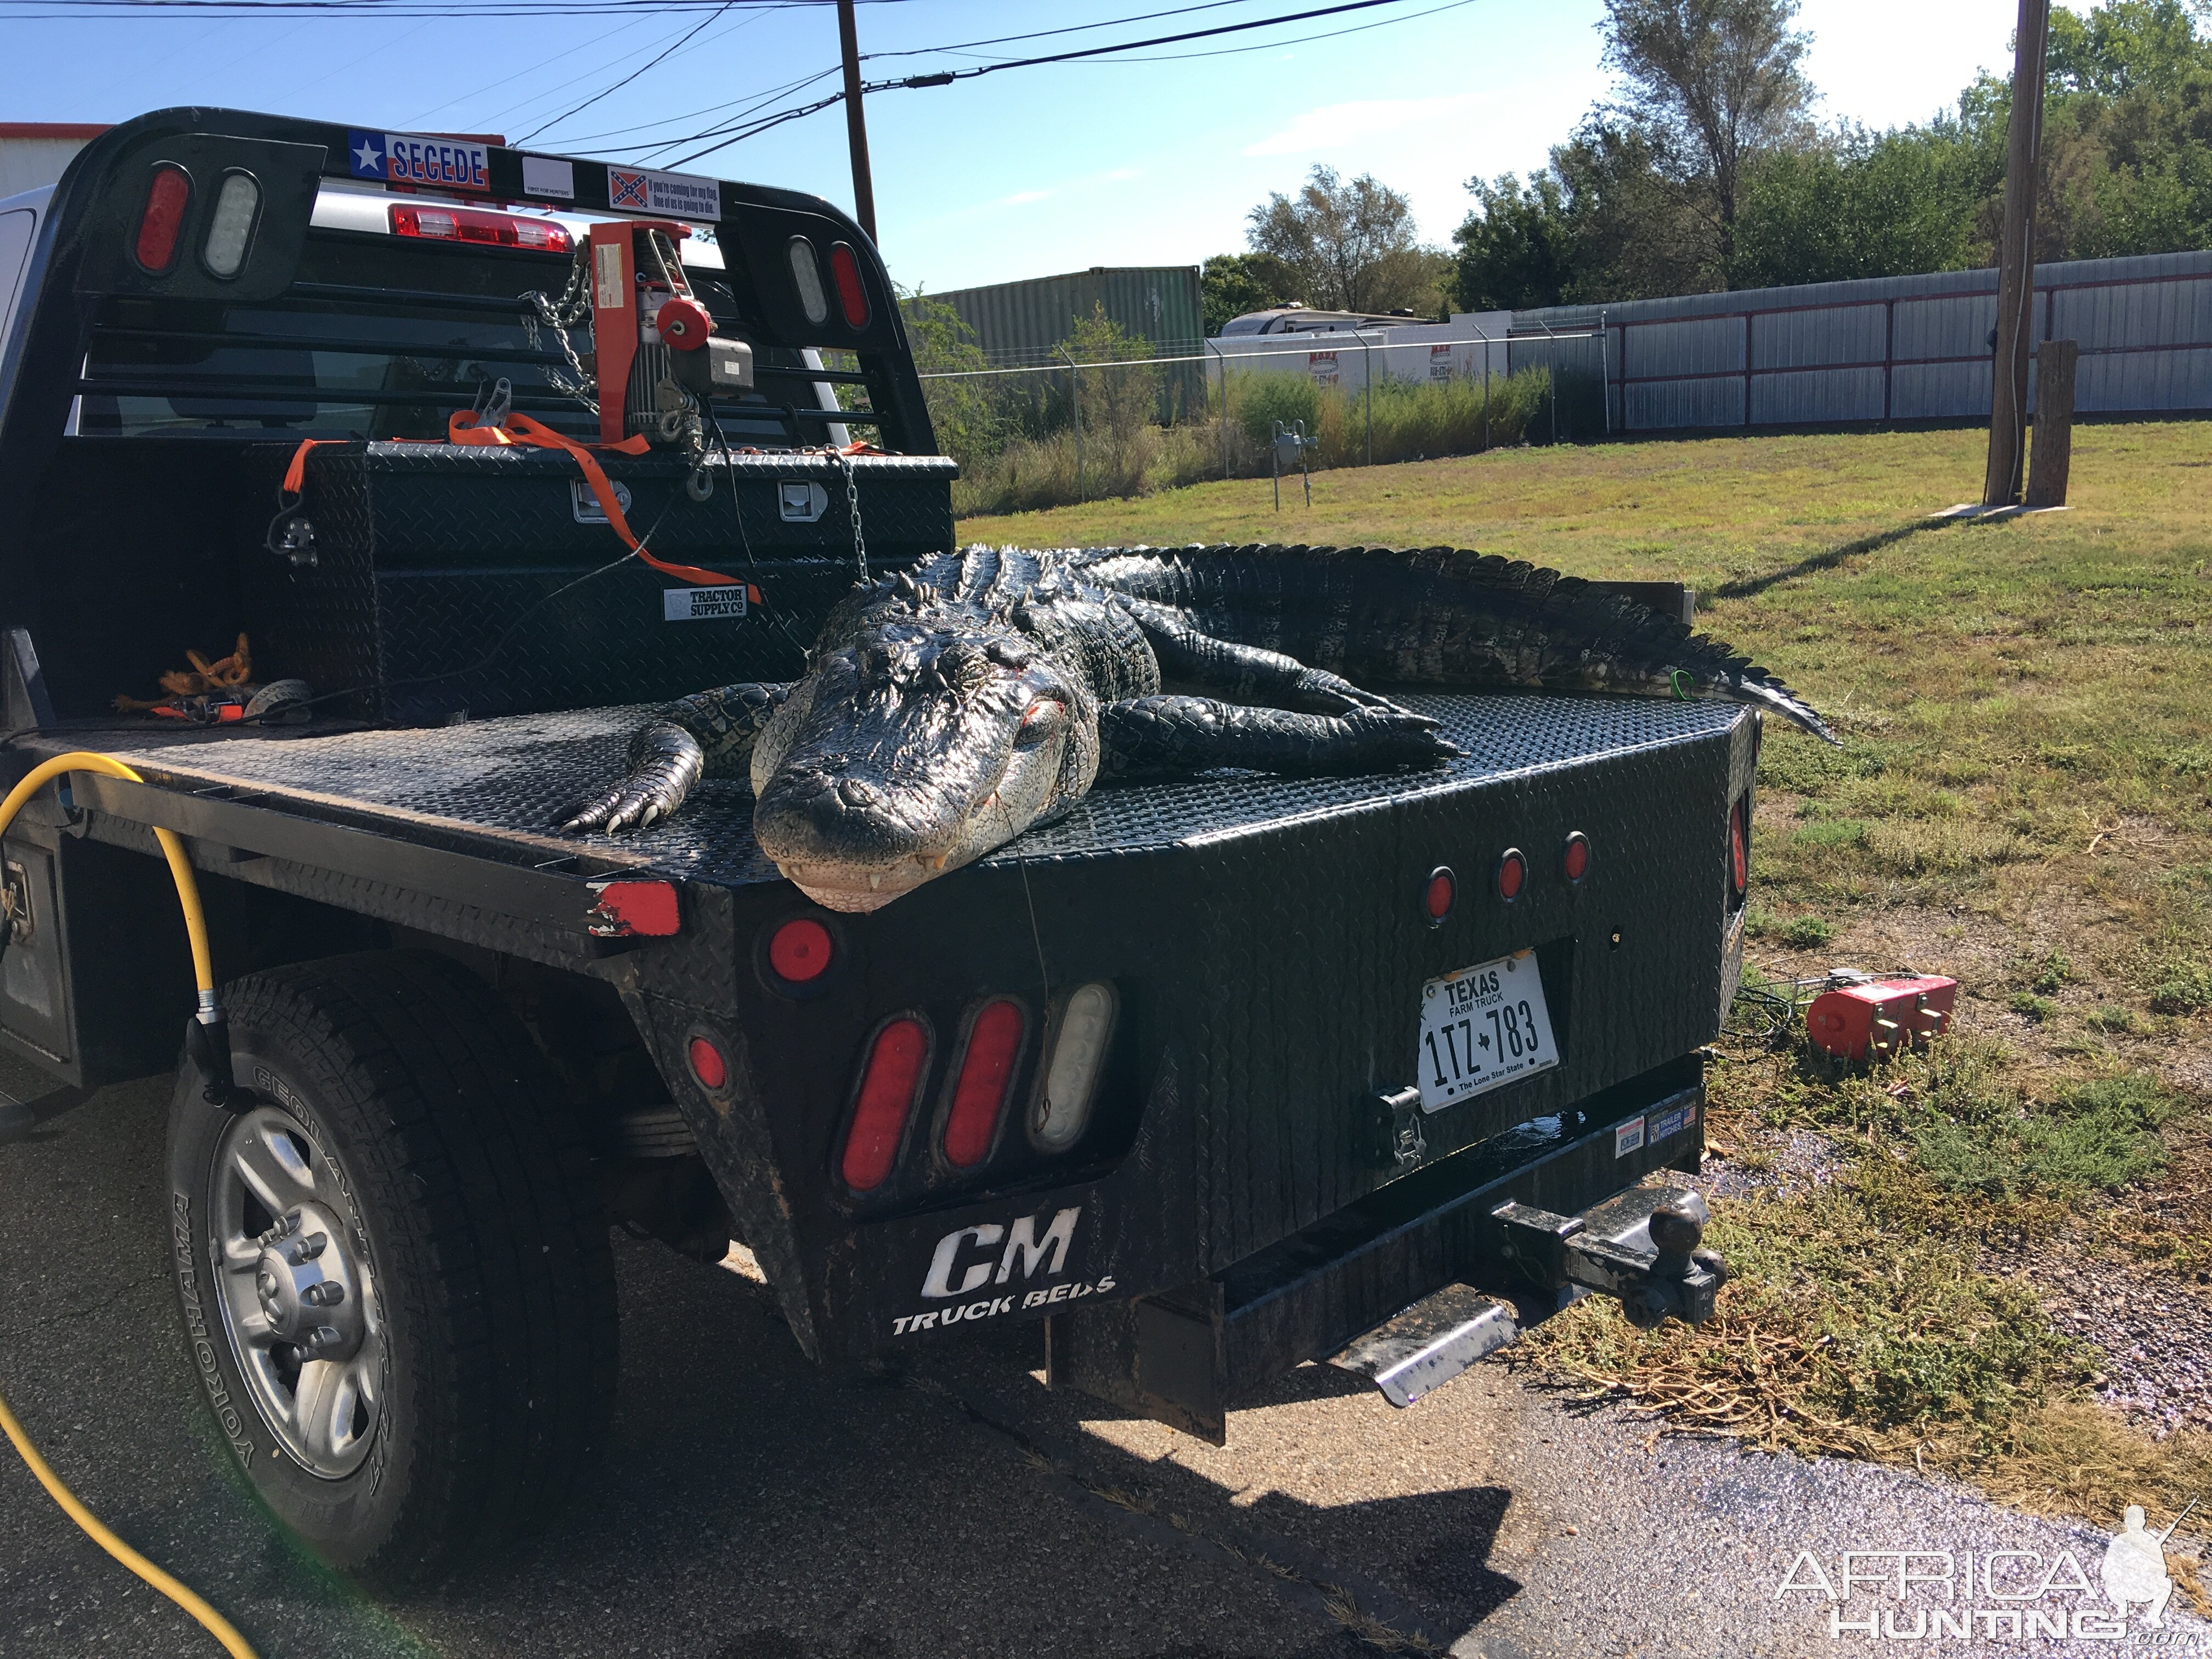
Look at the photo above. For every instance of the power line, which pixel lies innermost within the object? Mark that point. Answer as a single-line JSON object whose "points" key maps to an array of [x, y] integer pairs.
{"points": [[739, 131], [661, 57], [737, 110], [509, 79]]}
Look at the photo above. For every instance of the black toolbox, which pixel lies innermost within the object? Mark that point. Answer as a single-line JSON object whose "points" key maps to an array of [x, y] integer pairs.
{"points": [[442, 581]]}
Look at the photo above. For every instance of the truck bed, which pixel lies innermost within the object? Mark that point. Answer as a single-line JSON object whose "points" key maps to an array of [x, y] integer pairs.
{"points": [[488, 789]]}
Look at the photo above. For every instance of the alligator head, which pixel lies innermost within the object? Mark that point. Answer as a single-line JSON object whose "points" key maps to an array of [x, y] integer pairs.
{"points": [[929, 736]]}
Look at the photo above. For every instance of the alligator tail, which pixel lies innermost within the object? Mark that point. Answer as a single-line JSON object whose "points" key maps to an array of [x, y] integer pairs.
{"points": [[1443, 616]]}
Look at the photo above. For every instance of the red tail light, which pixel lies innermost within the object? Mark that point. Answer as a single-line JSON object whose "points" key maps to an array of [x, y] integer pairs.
{"points": [[800, 950], [1512, 874], [1438, 893], [896, 1060], [163, 218], [479, 226], [851, 297], [1575, 857], [986, 1073], [1739, 849], [707, 1065]]}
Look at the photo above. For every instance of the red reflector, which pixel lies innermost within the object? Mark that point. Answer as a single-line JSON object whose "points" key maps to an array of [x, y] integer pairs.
{"points": [[987, 1072], [1512, 874], [476, 225], [1574, 859], [799, 951], [628, 910], [852, 298], [1437, 895], [888, 1087], [163, 218], [707, 1065], [1739, 849]]}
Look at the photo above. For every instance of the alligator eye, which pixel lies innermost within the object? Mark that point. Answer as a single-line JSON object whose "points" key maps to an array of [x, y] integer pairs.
{"points": [[1044, 718]]}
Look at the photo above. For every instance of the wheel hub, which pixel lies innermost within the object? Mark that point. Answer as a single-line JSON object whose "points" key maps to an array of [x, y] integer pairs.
{"points": [[299, 1300], [306, 1286]]}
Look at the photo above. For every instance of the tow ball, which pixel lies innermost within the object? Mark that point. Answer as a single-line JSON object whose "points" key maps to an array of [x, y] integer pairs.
{"points": [[1643, 1246]]}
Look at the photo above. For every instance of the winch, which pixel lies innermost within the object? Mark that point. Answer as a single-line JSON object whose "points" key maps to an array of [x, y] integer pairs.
{"points": [[657, 358]]}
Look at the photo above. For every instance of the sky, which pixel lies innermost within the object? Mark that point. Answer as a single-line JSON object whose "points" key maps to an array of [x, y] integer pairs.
{"points": [[1018, 173]]}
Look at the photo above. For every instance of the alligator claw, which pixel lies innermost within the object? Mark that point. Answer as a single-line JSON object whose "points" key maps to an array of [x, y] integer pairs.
{"points": [[1400, 736], [1320, 692], [666, 761]]}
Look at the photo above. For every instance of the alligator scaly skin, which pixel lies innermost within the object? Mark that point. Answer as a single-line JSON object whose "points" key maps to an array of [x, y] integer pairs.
{"points": [[950, 706]]}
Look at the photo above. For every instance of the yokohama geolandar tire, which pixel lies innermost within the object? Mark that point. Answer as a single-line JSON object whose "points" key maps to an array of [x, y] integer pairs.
{"points": [[397, 1289]]}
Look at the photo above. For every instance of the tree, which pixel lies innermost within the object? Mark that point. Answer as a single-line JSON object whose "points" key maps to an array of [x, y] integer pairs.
{"points": [[1710, 83], [1600, 222], [1858, 205], [1230, 284], [1351, 246], [967, 425]]}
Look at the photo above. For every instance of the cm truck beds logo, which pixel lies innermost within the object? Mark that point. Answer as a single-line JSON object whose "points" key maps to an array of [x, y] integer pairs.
{"points": [[974, 1269]]}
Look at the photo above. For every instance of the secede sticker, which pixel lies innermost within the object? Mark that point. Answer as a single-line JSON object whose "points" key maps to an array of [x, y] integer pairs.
{"points": [[404, 158]]}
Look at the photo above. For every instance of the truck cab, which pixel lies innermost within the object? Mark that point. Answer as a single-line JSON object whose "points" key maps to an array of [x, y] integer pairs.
{"points": [[1206, 1081]]}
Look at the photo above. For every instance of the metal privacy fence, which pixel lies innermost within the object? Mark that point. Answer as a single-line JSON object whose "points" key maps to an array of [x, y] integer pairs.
{"points": [[1898, 349]]}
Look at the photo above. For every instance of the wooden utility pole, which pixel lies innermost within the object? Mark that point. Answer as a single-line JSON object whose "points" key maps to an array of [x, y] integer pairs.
{"points": [[2015, 341], [2055, 361], [856, 125]]}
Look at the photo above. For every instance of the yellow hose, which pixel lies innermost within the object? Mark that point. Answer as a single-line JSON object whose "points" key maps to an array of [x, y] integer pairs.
{"points": [[188, 895]]}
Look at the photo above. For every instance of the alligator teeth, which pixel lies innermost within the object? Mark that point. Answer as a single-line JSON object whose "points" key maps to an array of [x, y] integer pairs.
{"points": [[875, 882]]}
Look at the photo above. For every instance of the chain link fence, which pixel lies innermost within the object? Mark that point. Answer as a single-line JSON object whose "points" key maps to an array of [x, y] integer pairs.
{"points": [[1113, 417]]}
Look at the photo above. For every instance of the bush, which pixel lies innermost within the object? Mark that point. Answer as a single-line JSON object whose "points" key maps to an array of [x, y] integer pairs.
{"points": [[2185, 989], [2096, 1137], [1257, 401], [1808, 933]]}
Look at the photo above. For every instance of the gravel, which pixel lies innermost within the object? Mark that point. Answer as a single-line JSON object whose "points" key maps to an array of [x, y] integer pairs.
{"points": [[2151, 1333]]}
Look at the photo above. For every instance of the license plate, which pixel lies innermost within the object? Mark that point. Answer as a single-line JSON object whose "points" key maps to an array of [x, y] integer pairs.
{"points": [[1483, 1026]]}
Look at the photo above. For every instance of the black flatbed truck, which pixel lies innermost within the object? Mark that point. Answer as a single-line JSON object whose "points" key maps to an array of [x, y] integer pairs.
{"points": [[466, 1041]]}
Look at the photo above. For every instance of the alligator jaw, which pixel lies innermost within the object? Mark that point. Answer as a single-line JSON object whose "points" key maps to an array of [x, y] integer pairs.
{"points": [[855, 891]]}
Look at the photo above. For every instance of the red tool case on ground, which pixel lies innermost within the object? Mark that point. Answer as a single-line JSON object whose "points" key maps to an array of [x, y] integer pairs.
{"points": [[1881, 1017]]}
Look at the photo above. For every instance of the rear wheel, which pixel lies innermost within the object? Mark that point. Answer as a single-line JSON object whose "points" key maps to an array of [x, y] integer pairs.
{"points": [[396, 1288]]}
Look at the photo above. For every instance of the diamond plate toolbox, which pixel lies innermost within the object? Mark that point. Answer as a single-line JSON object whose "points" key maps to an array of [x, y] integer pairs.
{"points": [[446, 582]]}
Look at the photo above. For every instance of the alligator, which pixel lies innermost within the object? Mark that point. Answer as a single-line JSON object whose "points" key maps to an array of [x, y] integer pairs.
{"points": [[948, 706]]}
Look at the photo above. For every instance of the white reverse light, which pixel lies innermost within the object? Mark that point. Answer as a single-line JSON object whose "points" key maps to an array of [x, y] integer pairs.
{"points": [[230, 227], [1071, 1081], [806, 274]]}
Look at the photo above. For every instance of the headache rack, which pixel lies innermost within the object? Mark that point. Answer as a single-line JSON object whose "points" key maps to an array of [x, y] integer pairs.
{"points": [[330, 358], [325, 325]]}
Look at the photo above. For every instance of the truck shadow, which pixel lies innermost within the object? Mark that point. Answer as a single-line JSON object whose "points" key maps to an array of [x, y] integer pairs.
{"points": [[962, 1474], [750, 1504]]}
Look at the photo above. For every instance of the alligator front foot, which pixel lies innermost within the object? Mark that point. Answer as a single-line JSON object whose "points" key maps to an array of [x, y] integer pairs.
{"points": [[665, 761]]}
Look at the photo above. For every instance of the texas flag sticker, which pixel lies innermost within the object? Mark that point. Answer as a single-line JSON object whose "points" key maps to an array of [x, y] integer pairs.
{"points": [[401, 158]]}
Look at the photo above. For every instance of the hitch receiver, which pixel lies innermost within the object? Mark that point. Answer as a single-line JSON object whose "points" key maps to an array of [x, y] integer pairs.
{"points": [[1642, 1246]]}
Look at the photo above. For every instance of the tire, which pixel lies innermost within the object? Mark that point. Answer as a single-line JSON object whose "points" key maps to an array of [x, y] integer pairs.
{"points": [[450, 1390]]}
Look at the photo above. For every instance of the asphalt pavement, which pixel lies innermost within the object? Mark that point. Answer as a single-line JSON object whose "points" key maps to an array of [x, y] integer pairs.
{"points": [[756, 1508]]}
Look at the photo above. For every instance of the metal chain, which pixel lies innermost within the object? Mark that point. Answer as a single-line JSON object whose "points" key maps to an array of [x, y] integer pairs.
{"points": [[853, 507], [574, 306]]}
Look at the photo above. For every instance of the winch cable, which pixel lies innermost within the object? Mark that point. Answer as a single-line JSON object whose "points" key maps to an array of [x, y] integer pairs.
{"points": [[208, 1021]]}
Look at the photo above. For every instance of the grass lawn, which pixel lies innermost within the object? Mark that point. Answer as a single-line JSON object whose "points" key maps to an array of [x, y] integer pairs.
{"points": [[2021, 801]]}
